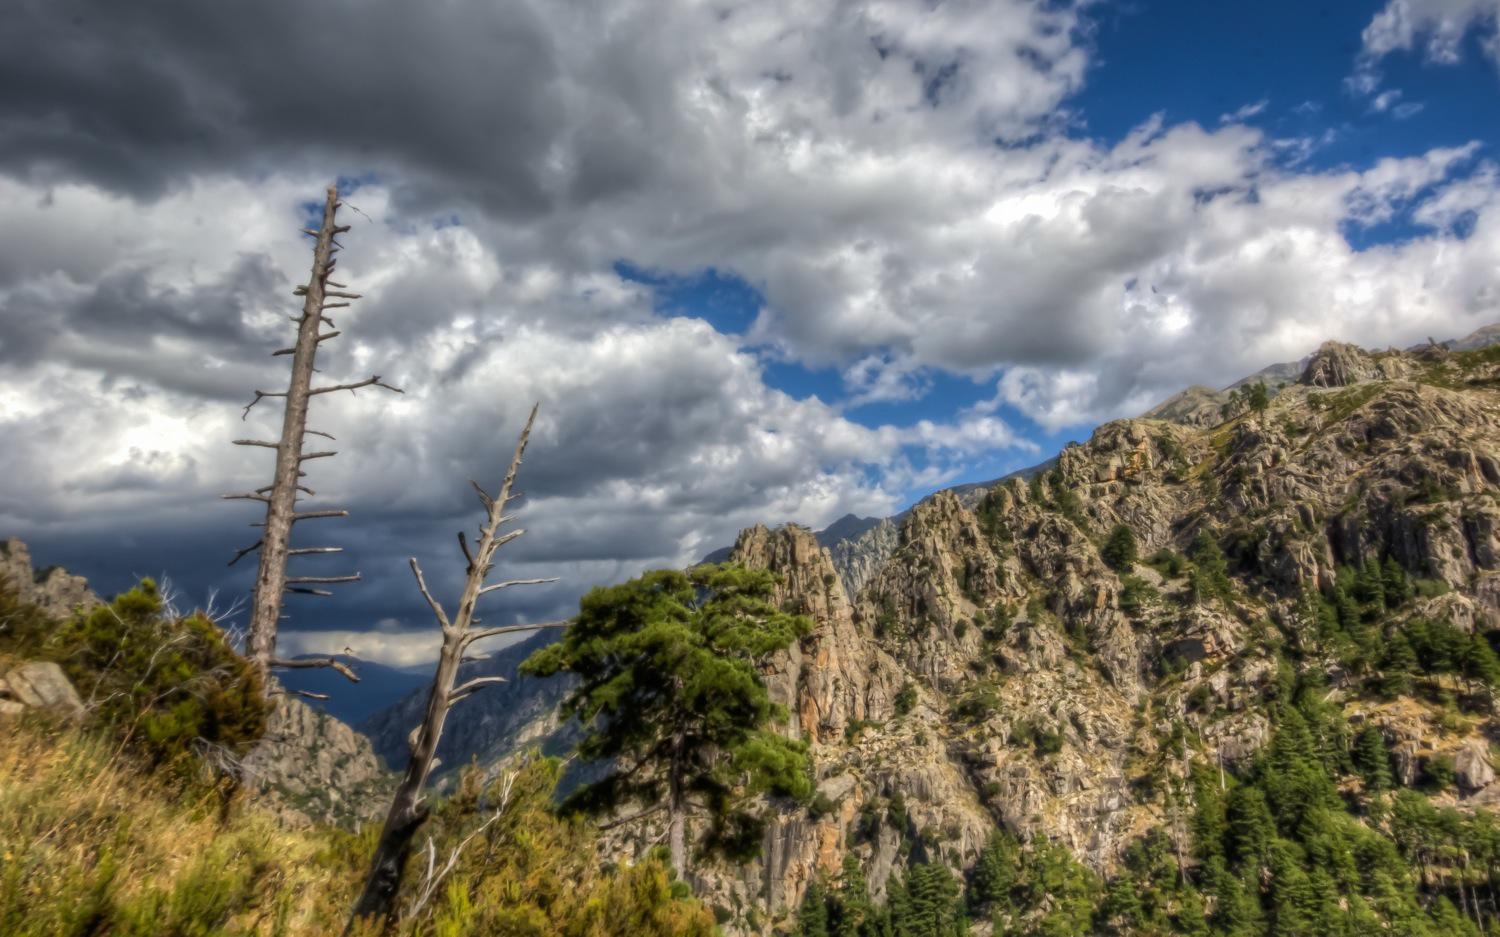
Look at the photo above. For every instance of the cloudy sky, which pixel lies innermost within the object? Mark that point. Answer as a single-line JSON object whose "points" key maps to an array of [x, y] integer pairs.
{"points": [[757, 261]]}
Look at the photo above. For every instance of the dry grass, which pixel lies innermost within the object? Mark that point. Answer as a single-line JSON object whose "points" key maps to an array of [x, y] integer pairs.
{"points": [[89, 845]]}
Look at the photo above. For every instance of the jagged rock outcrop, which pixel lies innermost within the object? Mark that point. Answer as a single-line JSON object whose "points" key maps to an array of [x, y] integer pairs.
{"points": [[833, 678], [54, 590], [1338, 364], [857, 558]]}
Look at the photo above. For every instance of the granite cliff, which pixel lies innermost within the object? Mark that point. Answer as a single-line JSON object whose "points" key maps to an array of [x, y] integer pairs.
{"points": [[994, 659]]}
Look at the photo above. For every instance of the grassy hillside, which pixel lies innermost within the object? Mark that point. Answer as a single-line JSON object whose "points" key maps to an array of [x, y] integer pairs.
{"points": [[132, 821]]}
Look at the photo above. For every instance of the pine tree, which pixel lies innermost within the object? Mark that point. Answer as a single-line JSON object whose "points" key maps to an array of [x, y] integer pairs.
{"points": [[1397, 666], [1295, 903], [1210, 576], [853, 914], [1258, 397], [1120, 550], [1292, 774], [1398, 590], [1251, 828], [669, 693], [1372, 760], [994, 872], [812, 915]]}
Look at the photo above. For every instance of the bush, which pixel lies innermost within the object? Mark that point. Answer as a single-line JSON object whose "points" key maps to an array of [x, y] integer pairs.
{"points": [[1169, 563], [1439, 772], [906, 698], [1120, 551], [169, 687], [1136, 593]]}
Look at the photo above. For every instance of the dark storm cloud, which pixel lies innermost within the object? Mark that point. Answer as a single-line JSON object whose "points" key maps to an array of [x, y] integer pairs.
{"points": [[128, 327], [138, 96]]}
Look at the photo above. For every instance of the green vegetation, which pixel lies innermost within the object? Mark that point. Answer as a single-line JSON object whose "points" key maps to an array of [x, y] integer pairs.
{"points": [[1209, 577], [1257, 397], [1120, 551], [906, 698], [109, 828], [170, 686], [669, 692]]}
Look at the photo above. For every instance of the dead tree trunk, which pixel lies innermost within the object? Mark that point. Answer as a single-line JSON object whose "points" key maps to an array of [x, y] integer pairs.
{"points": [[281, 496], [407, 811]]}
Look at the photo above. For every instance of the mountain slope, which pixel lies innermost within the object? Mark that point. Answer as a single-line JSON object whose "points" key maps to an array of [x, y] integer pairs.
{"points": [[1004, 670]]}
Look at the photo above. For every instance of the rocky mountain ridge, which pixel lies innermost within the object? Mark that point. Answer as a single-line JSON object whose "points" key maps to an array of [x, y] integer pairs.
{"points": [[996, 665]]}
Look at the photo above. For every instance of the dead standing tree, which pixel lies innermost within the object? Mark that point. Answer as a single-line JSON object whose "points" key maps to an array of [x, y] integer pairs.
{"points": [[408, 811], [281, 496]]}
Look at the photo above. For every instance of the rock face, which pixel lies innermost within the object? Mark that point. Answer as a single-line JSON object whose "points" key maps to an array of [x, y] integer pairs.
{"points": [[856, 559], [309, 767], [54, 590], [1337, 364]]}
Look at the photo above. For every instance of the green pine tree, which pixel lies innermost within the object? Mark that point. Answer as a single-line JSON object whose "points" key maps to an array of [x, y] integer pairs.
{"points": [[1210, 575], [669, 695], [1372, 760], [812, 914], [1120, 550]]}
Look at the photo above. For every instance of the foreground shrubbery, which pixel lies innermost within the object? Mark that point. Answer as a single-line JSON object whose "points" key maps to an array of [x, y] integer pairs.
{"points": [[109, 827], [169, 687]]}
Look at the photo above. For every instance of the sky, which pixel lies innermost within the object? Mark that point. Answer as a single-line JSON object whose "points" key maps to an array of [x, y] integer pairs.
{"points": [[756, 261]]}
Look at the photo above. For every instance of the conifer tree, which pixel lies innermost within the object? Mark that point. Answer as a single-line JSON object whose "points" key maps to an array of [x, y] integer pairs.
{"points": [[812, 915], [670, 697], [1120, 550], [1372, 760], [854, 915], [1210, 576], [1397, 666]]}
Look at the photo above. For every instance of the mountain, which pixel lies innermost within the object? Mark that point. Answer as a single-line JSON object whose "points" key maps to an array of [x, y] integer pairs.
{"points": [[379, 687], [1321, 572]]}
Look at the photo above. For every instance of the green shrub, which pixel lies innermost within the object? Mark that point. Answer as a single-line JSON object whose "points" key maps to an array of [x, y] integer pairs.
{"points": [[906, 698], [169, 687], [1120, 550]]}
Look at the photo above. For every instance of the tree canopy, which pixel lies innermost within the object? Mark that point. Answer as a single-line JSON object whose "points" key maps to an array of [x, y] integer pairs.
{"points": [[670, 697]]}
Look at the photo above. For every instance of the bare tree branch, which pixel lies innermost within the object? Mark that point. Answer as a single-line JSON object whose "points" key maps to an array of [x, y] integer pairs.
{"points": [[367, 382], [306, 663], [468, 687], [437, 609], [406, 813], [516, 582], [311, 515], [482, 633], [247, 550]]}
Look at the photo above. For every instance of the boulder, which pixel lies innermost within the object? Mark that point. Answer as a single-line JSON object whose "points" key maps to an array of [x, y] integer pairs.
{"points": [[1472, 766], [41, 685]]}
